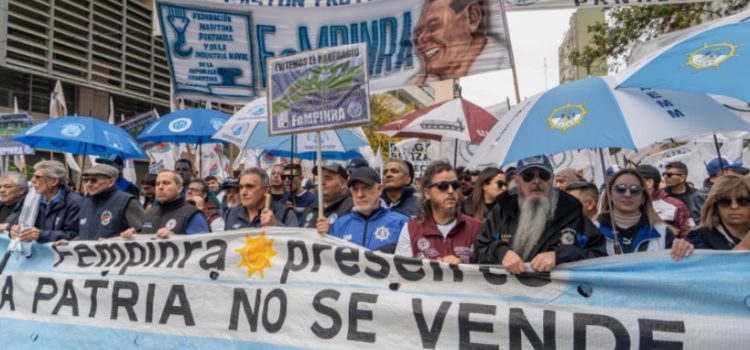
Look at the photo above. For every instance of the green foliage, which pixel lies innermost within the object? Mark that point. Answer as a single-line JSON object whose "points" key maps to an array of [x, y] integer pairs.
{"points": [[627, 25], [316, 81], [383, 114]]}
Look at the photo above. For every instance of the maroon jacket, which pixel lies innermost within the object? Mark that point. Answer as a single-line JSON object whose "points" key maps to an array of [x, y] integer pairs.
{"points": [[427, 242], [673, 212]]}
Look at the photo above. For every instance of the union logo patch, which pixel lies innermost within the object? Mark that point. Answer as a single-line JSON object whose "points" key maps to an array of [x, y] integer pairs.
{"points": [[711, 55], [566, 117]]}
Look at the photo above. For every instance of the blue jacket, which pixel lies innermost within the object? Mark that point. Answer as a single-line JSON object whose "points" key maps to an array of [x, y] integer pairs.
{"points": [[60, 219], [408, 204], [378, 232]]}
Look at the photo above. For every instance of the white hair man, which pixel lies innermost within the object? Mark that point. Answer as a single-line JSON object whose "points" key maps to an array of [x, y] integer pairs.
{"points": [[538, 224]]}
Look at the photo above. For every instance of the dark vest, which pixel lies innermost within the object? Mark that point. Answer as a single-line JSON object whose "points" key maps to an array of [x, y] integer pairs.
{"points": [[103, 214], [173, 215]]}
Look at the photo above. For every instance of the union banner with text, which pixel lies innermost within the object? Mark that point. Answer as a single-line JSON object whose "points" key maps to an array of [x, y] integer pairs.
{"points": [[295, 289]]}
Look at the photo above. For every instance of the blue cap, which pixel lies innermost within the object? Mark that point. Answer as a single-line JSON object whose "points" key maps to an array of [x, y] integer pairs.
{"points": [[541, 162], [715, 165], [355, 163]]}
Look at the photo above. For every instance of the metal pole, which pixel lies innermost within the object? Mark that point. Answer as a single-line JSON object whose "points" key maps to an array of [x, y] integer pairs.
{"points": [[718, 153], [455, 153], [615, 234], [319, 156]]}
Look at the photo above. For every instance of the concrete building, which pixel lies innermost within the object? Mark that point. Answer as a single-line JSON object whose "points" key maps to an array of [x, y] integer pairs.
{"points": [[575, 39]]}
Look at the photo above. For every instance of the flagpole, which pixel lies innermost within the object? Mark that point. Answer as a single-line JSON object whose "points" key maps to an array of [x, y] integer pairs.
{"points": [[510, 55], [319, 155]]}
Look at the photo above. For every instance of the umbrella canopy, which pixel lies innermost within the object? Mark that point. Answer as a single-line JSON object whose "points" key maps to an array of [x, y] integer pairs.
{"points": [[248, 129], [193, 125], [83, 136], [712, 58], [589, 113], [456, 119]]}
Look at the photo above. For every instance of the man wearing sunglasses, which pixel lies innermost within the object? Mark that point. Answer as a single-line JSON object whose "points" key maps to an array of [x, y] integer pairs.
{"points": [[336, 199], [370, 224], [106, 211], [441, 232], [670, 209], [537, 224], [57, 218]]}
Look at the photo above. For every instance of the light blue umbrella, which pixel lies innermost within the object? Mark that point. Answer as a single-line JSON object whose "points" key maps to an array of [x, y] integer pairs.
{"points": [[248, 129], [194, 126], [713, 59], [590, 113], [81, 136]]}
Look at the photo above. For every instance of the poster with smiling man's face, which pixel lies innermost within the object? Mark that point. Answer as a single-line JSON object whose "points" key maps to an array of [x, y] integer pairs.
{"points": [[452, 40]]}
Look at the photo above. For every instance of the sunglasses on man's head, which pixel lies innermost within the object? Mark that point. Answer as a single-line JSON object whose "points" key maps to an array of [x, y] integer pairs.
{"points": [[443, 185], [634, 190], [529, 176], [726, 202]]}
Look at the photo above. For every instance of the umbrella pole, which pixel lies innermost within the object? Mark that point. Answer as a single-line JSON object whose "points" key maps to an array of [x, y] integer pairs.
{"points": [[319, 155], [200, 160], [615, 234], [455, 153], [718, 153], [293, 196]]}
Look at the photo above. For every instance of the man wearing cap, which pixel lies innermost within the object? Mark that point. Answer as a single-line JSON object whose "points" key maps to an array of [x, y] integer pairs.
{"points": [[122, 183], [336, 199], [231, 188], [370, 224], [397, 191], [254, 185], [172, 214], [716, 168], [106, 211], [671, 210], [441, 232], [537, 224], [59, 207]]}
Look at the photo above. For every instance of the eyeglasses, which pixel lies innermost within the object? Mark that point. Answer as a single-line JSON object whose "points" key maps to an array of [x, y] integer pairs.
{"points": [[634, 190], [500, 184], [289, 177], [39, 177], [443, 185], [726, 202], [195, 189], [529, 176], [671, 174], [92, 179]]}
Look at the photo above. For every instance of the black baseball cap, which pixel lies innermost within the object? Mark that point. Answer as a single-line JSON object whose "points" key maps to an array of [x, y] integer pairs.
{"points": [[366, 175], [334, 168]]}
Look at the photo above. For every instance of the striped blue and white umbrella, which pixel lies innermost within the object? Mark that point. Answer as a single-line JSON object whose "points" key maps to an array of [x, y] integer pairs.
{"points": [[713, 58], [248, 129], [590, 113]]}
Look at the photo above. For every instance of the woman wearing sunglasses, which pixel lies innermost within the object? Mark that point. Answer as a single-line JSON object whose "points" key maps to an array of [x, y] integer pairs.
{"points": [[490, 184], [639, 227], [725, 217]]}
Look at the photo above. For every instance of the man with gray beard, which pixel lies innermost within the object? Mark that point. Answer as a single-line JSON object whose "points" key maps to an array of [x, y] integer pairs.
{"points": [[537, 223]]}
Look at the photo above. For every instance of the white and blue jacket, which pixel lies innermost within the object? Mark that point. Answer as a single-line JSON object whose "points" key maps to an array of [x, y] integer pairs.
{"points": [[378, 232]]}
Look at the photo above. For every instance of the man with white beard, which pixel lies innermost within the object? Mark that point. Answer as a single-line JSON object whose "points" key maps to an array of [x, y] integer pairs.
{"points": [[537, 223]]}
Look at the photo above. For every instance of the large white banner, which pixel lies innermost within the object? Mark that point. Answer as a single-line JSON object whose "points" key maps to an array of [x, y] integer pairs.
{"points": [[294, 289], [220, 51]]}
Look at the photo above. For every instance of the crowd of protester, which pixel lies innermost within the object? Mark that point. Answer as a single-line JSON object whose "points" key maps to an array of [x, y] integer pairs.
{"points": [[526, 216]]}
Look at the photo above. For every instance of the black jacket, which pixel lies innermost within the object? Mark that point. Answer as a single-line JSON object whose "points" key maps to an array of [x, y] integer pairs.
{"points": [[711, 238], [582, 239], [334, 211]]}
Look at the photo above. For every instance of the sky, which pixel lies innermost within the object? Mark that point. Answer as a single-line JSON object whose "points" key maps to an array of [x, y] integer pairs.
{"points": [[535, 35]]}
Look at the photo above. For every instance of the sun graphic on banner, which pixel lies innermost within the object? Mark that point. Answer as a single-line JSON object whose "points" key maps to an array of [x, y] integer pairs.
{"points": [[256, 254], [711, 56]]}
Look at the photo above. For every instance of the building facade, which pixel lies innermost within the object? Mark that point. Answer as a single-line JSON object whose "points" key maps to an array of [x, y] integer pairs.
{"points": [[576, 38]]}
